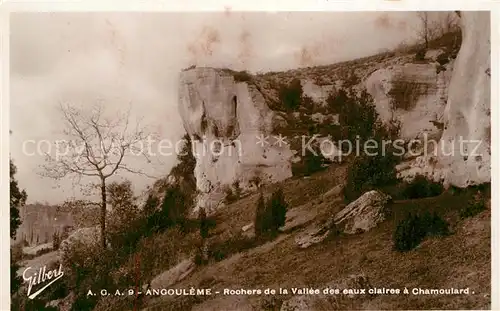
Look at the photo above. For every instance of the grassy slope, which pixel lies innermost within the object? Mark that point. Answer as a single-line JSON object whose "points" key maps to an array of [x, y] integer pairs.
{"points": [[459, 260]]}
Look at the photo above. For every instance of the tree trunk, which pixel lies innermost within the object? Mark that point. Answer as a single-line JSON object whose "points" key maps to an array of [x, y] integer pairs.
{"points": [[103, 214], [426, 38], [204, 251]]}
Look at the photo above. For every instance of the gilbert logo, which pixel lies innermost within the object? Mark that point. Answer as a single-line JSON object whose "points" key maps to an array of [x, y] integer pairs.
{"points": [[41, 277]]}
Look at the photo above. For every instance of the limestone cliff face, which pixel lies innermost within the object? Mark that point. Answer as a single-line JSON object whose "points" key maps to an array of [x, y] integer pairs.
{"points": [[467, 113], [444, 97], [225, 120], [462, 155], [414, 94]]}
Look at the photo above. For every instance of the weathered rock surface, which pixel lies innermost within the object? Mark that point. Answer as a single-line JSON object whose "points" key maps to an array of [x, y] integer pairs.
{"points": [[364, 213], [86, 237], [315, 235], [305, 215], [467, 113], [439, 98], [318, 93], [248, 230], [225, 120], [329, 149], [461, 155], [426, 165], [414, 94], [433, 54], [247, 227]]}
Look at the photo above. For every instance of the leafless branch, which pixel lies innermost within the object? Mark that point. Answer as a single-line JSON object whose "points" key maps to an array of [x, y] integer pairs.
{"points": [[435, 24], [96, 147]]}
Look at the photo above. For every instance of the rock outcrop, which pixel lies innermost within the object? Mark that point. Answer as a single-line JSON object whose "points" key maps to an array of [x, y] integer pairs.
{"points": [[461, 155], [364, 213], [248, 230], [413, 94], [318, 93], [233, 118], [359, 216], [227, 121], [315, 235]]}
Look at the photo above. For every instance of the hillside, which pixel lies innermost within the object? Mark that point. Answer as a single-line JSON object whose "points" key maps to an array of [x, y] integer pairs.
{"points": [[40, 221], [264, 209], [460, 260], [230, 111], [237, 260]]}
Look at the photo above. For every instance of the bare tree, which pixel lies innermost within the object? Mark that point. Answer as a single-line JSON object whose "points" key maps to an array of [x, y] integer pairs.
{"points": [[97, 148], [426, 30], [448, 22], [435, 24]]}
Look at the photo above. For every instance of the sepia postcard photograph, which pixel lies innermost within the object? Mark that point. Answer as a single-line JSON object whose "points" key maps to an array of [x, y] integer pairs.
{"points": [[234, 160]]}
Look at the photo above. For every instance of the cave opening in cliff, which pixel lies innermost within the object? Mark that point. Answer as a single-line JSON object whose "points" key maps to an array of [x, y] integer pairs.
{"points": [[234, 105], [232, 128]]}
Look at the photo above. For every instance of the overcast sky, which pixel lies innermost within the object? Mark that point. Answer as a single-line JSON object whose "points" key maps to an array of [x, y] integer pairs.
{"points": [[136, 58]]}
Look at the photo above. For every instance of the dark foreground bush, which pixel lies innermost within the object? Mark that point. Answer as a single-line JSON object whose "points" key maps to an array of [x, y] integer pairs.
{"points": [[24, 304], [420, 56], [359, 122], [239, 76], [270, 215], [412, 230], [242, 76], [443, 59], [370, 172], [436, 225], [291, 95], [233, 193], [475, 206], [421, 187]]}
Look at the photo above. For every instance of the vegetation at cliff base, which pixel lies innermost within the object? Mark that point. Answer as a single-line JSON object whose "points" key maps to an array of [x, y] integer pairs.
{"points": [[271, 214], [412, 230], [291, 95]]}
